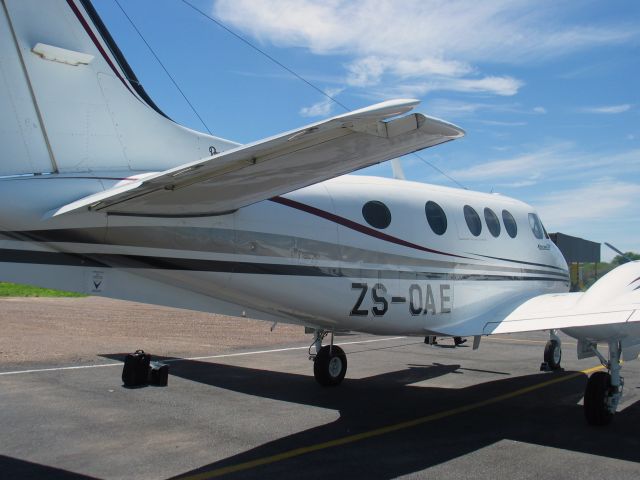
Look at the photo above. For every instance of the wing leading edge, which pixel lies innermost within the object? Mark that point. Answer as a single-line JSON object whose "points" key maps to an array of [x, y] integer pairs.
{"points": [[276, 165]]}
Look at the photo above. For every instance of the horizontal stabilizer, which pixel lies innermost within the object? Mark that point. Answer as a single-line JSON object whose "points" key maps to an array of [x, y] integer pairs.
{"points": [[250, 173]]}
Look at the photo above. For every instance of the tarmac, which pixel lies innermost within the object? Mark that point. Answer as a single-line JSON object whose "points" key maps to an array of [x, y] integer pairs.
{"points": [[254, 410]]}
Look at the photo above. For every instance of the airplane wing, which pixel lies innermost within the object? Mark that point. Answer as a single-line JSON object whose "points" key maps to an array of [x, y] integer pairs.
{"points": [[276, 165], [562, 311], [612, 300]]}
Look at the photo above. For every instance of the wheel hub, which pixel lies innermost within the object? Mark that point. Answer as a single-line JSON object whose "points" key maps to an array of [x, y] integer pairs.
{"points": [[335, 366]]}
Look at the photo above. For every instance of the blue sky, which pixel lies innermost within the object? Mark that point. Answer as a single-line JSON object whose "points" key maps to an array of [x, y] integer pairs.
{"points": [[547, 91]]}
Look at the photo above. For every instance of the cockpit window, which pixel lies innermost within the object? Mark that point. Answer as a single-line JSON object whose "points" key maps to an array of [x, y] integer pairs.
{"points": [[376, 214], [436, 217], [493, 224], [473, 220], [536, 226], [546, 235], [509, 223]]}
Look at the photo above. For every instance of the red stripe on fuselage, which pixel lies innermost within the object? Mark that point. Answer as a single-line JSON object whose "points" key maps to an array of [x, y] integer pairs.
{"points": [[96, 42], [345, 222]]}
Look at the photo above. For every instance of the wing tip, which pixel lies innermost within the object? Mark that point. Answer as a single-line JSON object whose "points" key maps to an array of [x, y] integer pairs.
{"points": [[437, 126]]}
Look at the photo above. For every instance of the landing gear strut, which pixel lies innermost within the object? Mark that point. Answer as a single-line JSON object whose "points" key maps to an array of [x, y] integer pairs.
{"points": [[604, 390], [552, 353], [329, 362]]}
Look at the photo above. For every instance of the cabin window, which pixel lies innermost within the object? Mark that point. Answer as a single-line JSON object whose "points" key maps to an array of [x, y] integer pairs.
{"points": [[536, 226], [509, 223], [473, 220], [376, 214], [436, 217], [493, 224]]}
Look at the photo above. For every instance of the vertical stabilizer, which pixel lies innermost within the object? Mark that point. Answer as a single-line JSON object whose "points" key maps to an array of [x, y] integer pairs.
{"points": [[70, 103], [23, 147]]}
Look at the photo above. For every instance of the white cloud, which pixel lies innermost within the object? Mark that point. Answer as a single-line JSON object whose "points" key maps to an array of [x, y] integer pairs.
{"points": [[322, 108], [429, 66], [435, 44], [464, 30], [368, 71], [557, 161], [455, 108], [539, 110], [365, 72], [503, 86], [523, 183], [608, 109], [598, 202], [529, 166], [498, 123]]}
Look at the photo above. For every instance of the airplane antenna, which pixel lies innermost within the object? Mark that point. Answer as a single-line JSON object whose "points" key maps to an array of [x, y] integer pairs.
{"points": [[163, 67], [310, 84]]}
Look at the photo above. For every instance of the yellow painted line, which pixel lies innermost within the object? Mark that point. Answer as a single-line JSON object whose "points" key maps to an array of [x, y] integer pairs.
{"points": [[296, 452]]}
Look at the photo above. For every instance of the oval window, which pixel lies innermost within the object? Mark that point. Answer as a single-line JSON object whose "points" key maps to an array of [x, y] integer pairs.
{"points": [[509, 223], [436, 217], [536, 226], [376, 214], [473, 220], [493, 224]]}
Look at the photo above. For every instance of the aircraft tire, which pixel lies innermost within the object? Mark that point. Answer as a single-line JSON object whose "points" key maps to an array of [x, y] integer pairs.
{"points": [[330, 366], [553, 354], [595, 399]]}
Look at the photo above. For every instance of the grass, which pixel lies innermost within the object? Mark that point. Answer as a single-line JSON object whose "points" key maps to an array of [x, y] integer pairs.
{"points": [[17, 290]]}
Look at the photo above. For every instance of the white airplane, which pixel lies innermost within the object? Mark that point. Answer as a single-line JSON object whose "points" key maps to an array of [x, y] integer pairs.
{"points": [[102, 194]]}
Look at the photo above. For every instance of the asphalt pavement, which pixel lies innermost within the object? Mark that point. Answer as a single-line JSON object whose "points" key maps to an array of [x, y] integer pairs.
{"points": [[405, 409]]}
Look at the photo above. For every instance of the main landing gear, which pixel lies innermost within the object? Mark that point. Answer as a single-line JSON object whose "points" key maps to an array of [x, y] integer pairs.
{"points": [[329, 362], [552, 353], [604, 389]]}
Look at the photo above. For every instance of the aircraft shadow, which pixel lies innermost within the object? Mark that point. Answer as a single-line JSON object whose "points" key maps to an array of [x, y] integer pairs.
{"points": [[548, 416], [24, 470]]}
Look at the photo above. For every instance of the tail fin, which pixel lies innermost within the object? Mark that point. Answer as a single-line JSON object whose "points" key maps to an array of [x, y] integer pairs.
{"points": [[69, 102]]}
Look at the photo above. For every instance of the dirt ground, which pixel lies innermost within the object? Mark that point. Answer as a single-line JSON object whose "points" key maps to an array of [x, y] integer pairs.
{"points": [[41, 330]]}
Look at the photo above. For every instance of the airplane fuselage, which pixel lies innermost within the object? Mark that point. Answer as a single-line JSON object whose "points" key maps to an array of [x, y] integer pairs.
{"points": [[308, 257]]}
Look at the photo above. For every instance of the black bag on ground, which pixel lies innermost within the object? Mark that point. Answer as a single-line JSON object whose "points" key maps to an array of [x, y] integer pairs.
{"points": [[158, 374], [136, 369]]}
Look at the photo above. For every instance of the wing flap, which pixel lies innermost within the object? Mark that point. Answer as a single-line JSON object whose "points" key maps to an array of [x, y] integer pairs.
{"points": [[276, 165]]}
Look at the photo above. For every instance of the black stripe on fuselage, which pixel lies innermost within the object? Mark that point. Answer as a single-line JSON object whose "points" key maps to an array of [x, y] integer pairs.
{"points": [[217, 241], [521, 262], [118, 55], [103, 260]]}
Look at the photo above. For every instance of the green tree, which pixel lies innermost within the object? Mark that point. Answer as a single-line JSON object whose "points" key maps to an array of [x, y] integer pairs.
{"points": [[619, 259]]}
